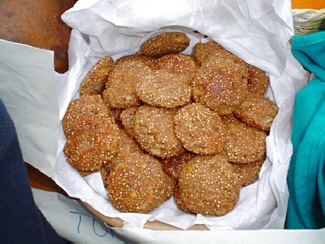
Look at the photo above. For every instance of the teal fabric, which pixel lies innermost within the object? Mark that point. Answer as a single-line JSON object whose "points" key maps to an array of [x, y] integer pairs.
{"points": [[306, 175]]}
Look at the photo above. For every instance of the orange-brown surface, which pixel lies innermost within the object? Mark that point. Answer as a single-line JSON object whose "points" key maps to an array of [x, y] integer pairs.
{"points": [[40, 181], [312, 4], [38, 23]]}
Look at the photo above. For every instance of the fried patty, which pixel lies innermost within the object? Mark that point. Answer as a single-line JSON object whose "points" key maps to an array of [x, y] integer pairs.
{"points": [[154, 130], [199, 129], [257, 111], [126, 146], [139, 184], [258, 81], [80, 113], [165, 43], [127, 118], [202, 51], [178, 64], [173, 166], [220, 84], [208, 185], [89, 149], [248, 173], [120, 88], [243, 143], [94, 82], [168, 83]]}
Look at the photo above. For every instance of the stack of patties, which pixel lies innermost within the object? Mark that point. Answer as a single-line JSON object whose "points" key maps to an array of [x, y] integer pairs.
{"points": [[160, 123]]}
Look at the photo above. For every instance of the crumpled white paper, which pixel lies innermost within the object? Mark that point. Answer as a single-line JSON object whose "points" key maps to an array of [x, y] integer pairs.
{"points": [[27, 89], [257, 31]]}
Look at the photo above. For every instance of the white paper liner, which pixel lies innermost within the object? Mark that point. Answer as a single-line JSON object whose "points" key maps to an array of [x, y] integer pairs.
{"points": [[27, 89], [258, 32]]}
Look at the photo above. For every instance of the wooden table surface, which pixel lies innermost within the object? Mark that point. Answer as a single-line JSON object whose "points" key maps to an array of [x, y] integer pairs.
{"points": [[41, 181]]}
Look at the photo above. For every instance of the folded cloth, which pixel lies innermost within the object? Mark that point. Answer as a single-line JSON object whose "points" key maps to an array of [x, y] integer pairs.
{"points": [[21, 221], [306, 175]]}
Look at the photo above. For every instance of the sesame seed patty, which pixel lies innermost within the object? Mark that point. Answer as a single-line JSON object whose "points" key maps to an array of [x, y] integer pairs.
{"points": [[199, 129], [208, 185]]}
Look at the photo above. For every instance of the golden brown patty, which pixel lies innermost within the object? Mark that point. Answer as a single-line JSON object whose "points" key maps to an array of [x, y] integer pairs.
{"points": [[178, 64], [173, 166], [154, 130], [199, 129], [208, 185], [139, 184], [165, 43], [220, 84], [202, 51], [80, 113], [126, 146], [179, 201], [120, 88], [127, 118], [243, 144], [104, 172], [168, 84], [248, 173], [257, 111], [258, 81], [94, 82], [88, 150], [163, 89], [134, 57]]}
